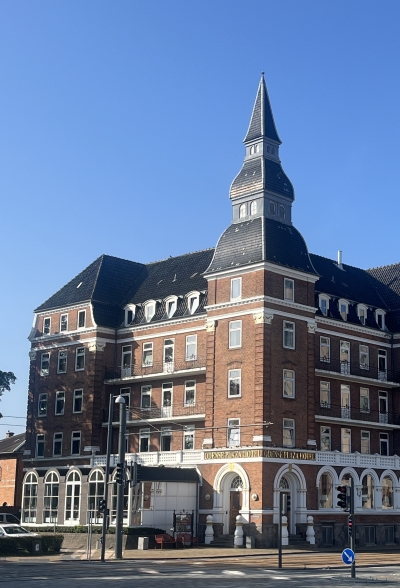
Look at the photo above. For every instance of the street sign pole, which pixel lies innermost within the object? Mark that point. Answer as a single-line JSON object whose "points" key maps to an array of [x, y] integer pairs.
{"points": [[280, 530], [353, 528]]}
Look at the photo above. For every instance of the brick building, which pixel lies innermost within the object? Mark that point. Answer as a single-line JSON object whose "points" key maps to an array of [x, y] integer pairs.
{"points": [[265, 367], [11, 471]]}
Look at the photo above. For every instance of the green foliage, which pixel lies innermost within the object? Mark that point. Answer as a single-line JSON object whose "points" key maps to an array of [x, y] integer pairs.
{"points": [[6, 379], [23, 545]]}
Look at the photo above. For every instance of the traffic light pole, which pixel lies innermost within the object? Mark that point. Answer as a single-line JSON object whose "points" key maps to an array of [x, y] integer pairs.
{"points": [[120, 487], [280, 530], [107, 475], [353, 528]]}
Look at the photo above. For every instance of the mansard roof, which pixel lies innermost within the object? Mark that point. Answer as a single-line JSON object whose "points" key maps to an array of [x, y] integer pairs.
{"points": [[262, 122], [261, 174]]}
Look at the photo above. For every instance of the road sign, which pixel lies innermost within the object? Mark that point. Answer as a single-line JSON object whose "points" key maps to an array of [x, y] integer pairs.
{"points": [[348, 556]]}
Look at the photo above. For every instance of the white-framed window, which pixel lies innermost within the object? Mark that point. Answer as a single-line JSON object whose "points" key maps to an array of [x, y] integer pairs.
{"points": [[126, 394], [364, 357], [29, 499], [77, 401], [129, 314], [382, 365], [75, 443], [242, 211], [169, 352], [364, 400], [236, 288], [288, 433], [166, 438], [171, 306], [343, 306], [57, 444], [384, 443], [147, 358], [234, 383], [387, 492], [63, 323], [288, 335], [149, 310], [46, 325], [126, 361], [62, 361], [254, 149], [380, 319], [190, 393], [324, 304], [44, 364], [81, 319], [253, 206], [272, 208], [344, 357], [345, 440], [42, 405], [345, 401], [193, 300], [145, 397], [144, 440], [233, 433], [191, 347], [325, 495], [235, 334], [325, 349], [325, 439], [281, 211], [367, 491], [40, 445], [80, 359], [325, 394], [50, 499], [362, 313], [60, 403], [288, 289], [167, 399], [289, 384], [365, 442], [383, 406], [95, 493], [188, 437], [72, 497]]}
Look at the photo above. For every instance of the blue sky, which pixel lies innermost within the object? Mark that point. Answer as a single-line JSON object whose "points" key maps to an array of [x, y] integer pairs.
{"points": [[121, 128]]}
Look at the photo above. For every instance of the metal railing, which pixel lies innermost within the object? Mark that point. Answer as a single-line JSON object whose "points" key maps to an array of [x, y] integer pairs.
{"points": [[355, 368], [162, 367], [157, 412], [356, 413]]}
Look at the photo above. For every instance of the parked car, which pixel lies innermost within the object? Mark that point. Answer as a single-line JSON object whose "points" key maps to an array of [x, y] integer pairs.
{"points": [[15, 531], [6, 517]]}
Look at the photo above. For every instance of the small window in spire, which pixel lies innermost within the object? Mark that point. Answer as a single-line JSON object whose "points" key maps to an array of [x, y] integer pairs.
{"points": [[281, 211], [242, 211], [253, 207], [272, 208], [254, 149]]}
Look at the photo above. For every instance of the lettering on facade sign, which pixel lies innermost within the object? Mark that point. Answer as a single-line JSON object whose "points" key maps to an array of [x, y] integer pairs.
{"points": [[249, 453]]}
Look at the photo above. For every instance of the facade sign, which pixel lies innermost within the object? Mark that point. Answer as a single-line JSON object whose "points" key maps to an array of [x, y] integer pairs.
{"points": [[251, 453]]}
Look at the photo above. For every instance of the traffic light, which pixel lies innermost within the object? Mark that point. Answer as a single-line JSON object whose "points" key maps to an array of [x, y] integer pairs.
{"points": [[136, 474], [120, 475], [343, 496], [350, 526], [102, 505]]}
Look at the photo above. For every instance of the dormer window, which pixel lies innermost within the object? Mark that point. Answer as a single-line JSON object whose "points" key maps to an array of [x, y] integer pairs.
{"points": [[343, 309], [193, 302], [46, 326], [380, 319], [253, 207], [362, 314], [272, 208], [129, 314], [149, 310], [170, 306], [242, 211], [324, 304]]}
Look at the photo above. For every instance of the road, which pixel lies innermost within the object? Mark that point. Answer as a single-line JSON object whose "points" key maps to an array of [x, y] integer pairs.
{"points": [[194, 573]]}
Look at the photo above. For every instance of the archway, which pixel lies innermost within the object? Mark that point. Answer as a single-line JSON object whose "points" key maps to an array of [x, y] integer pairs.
{"points": [[231, 496], [290, 481]]}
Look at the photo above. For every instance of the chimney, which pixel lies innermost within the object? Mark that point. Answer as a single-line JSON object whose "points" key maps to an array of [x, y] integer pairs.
{"points": [[9, 434]]}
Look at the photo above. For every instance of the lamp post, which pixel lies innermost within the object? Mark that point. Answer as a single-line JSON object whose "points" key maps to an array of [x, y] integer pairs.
{"points": [[106, 511], [120, 484]]}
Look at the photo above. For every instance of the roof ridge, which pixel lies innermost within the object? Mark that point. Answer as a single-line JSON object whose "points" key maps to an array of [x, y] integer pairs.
{"points": [[383, 266], [182, 255]]}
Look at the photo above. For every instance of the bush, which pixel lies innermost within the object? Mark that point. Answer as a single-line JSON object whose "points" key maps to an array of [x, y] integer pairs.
{"points": [[51, 543], [18, 545]]}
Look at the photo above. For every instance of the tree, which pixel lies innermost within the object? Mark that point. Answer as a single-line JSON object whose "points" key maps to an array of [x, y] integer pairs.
{"points": [[6, 379]]}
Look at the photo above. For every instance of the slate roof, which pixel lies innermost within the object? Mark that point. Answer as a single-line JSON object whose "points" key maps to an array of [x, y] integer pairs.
{"points": [[262, 122], [260, 174], [14, 444], [387, 279]]}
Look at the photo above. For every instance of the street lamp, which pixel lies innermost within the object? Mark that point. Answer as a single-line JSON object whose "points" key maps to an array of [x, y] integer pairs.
{"points": [[120, 486]]}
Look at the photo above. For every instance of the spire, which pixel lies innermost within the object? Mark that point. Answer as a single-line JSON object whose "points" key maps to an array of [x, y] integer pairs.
{"points": [[262, 122]]}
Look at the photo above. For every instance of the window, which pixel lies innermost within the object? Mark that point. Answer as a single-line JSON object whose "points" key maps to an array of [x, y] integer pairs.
{"points": [[144, 440], [63, 322], [387, 492], [380, 319], [346, 440], [254, 149], [166, 409], [235, 334], [236, 288], [126, 394], [42, 405], [191, 347], [57, 444], [234, 383], [365, 442], [382, 365], [288, 335], [60, 403], [272, 208], [188, 437], [46, 326], [325, 490], [72, 497], [76, 443], [325, 394], [281, 211], [80, 359], [169, 346], [149, 311], [50, 502], [126, 361], [369, 535], [288, 433], [81, 319], [325, 349], [343, 309], [384, 443], [44, 364], [78, 401], [364, 357], [362, 314], [193, 302], [344, 357], [364, 400], [190, 393], [325, 438], [253, 206], [367, 491], [288, 289], [345, 401], [40, 445], [242, 211], [166, 438], [389, 534], [324, 304], [147, 358], [62, 362], [95, 493], [170, 307], [145, 397], [288, 383], [129, 314], [383, 406], [233, 433], [29, 499]]}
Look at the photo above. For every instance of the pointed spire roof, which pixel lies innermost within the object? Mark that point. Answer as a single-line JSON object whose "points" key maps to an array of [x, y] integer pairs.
{"points": [[262, 122]]}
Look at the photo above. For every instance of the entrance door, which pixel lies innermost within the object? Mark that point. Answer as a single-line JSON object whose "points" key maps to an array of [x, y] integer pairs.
{"points": [[235, 506], [286, 508]]}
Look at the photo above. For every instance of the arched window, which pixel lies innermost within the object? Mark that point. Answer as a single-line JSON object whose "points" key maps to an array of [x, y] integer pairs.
{"points": [[284, 484], [253, 207], [325, 488], [96, 491], [367, 491], [272, 208], [281, 211], [114, 501], [73, 497], [50, 501], [237, 483], [29, 500], [242, 211], [387, 492]]}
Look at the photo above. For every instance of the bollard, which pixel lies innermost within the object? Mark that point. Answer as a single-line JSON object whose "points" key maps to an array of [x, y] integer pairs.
{"points": [[310, 535], [238, 541], [209, 535], [285, 534]]}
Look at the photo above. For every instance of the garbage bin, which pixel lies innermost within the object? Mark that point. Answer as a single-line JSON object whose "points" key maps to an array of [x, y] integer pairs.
{"points": [[250, 542], [36, 546], [143, 542]]}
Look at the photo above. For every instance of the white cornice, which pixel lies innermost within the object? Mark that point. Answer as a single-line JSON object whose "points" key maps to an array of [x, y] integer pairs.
{"points": [[63, 308], [268, 299], [361, 339], [265, 265], [162, 334], [56, 345], [353, 378], [350, 327], [354, 423]]}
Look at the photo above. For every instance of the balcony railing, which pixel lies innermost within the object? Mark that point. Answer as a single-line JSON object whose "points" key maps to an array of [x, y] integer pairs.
{"points": [[162, 367], [357, 414], [356, 369], [135, 413]]}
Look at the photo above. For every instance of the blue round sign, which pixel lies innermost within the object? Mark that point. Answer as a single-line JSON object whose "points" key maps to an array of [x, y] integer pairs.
{"points": [[348, 556]]}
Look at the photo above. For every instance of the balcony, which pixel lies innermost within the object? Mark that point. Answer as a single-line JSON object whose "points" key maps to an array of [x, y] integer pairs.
{"points": [[175, 412], [346, 370], [156, 370], [372, 418]]}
